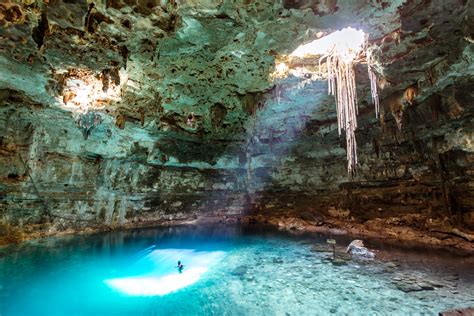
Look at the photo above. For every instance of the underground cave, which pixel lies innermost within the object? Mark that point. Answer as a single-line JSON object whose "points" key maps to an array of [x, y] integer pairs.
{"points": [[236, 157]]}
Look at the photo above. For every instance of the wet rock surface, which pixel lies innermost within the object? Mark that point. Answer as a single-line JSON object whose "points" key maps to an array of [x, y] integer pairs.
{"points": [[190, 121]]}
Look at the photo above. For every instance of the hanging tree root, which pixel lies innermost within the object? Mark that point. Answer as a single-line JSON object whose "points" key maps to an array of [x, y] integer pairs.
{"points": [[342, 85], [373, 83]]}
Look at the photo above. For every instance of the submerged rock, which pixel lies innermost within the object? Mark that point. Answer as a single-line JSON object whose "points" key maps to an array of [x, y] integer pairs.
{"points": [[320, 248], [239, 271], [426, 286], [338, 262], [409, 287], [277, 260], [392, 265], [411, 283]]}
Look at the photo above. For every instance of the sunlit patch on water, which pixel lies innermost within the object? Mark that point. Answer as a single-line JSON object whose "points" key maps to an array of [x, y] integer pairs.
{"points": [[158, 274]]}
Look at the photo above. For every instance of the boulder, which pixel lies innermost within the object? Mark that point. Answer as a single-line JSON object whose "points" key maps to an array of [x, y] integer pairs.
{"points": [[356, 248]]}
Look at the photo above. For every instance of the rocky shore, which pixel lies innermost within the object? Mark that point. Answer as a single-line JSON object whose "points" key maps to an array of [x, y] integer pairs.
{"points": [[450, 239]]}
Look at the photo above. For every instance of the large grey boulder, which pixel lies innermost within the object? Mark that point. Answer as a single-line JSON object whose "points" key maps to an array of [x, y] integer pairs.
{"points": [[356, 248]]}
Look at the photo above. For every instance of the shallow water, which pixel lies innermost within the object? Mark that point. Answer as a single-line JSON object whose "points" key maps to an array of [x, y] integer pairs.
{"points": [[227, 271]]}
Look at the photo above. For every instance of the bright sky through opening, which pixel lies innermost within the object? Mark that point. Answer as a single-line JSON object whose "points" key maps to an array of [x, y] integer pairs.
{"points": [[346, 43]]}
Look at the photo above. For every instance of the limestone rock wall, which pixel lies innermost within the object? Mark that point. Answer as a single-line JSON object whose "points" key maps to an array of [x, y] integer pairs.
{"points": [[131, 113], [423, 170], [86, 184]]}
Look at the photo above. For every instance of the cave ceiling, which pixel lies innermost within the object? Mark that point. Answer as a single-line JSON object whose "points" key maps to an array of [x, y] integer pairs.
{"points": [[198, 70]]}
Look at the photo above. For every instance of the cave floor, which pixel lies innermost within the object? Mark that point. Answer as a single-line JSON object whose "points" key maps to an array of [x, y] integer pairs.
{"points": [[228, 270]]}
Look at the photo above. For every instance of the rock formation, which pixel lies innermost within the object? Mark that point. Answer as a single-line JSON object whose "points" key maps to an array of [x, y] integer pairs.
{"points": [[130, 113], [356, 248]]}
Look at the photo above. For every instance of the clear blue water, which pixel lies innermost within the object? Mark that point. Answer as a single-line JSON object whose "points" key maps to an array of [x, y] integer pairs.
{"points": [[227, 271]]}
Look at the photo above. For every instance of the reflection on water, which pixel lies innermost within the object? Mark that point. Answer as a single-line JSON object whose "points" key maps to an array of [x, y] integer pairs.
{"points": [[227, 271]]}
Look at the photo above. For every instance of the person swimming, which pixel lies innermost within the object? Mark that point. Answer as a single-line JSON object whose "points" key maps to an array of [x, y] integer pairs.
{"points": [[180, 267]]}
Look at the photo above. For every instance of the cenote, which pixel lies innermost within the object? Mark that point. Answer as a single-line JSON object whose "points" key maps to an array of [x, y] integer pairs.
{"points": [[236, 157], [228, 270]]}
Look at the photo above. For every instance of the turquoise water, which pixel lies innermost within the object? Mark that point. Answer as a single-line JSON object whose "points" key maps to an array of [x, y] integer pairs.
{"points": [[227, 271]]}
